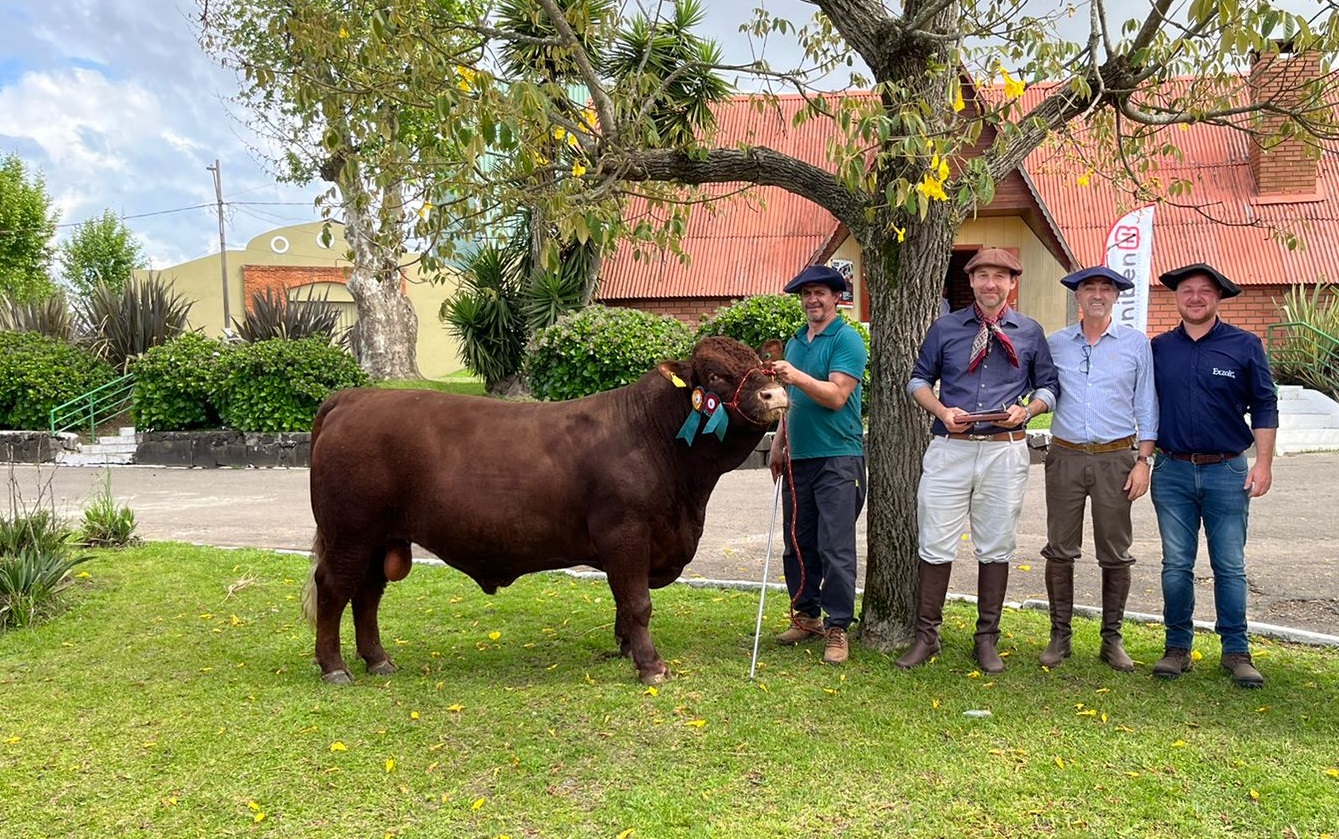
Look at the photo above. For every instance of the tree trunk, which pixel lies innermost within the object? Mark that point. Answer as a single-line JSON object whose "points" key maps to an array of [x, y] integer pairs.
{"points": [[388, 325], [905, 280]]}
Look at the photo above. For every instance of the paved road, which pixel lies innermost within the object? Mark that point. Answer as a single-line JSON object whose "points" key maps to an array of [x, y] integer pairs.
{"points": [[1291, 557]]}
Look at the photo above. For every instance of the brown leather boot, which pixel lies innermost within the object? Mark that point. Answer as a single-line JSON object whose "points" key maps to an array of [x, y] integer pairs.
{"points": [[931, 591], [1174, 662], [992, 578], [1242, 669], [802, 628], [1115, 590], [1060, 594], [836, 649]]}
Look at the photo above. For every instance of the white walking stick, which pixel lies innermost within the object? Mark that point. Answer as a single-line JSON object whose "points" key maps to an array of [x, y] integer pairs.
{"points": [[762, 592]]}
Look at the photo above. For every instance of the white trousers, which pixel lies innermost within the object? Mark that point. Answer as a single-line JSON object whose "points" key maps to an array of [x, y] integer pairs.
{"points": [[966, 479]]}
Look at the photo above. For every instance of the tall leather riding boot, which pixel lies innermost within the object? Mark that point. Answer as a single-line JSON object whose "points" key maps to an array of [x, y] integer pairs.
{"points": [[932, 590], [991, 581], [1115, 590], [1060, 594]]}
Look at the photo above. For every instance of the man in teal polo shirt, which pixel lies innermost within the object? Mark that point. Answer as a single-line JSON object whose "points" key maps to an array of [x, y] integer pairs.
{"points": [[820, 451]]}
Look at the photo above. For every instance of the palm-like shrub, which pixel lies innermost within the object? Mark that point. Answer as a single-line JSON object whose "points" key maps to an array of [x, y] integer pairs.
{"points": [[485, 314], [50, 316], [272, 315], [35, 564], [120, 325], [1307, 354]]}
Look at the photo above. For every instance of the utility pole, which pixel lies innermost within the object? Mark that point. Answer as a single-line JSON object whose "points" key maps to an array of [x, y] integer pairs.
{"points": [[223, 244]]}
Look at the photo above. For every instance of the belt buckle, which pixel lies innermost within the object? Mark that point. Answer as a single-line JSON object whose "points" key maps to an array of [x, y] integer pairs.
{"points": [[980, 438]]}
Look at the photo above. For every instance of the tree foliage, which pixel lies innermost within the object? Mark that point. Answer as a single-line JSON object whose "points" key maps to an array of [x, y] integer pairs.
{"points": [[27, 223], [102, 250], [944, 121]]}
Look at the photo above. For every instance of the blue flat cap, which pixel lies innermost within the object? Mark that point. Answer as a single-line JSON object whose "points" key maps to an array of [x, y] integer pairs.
{"points": [[1173, 278], [1097, 272], [829, 277]]}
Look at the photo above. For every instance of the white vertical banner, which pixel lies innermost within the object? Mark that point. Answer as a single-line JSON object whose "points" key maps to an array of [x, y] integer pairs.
{"points": [[1130, 254]]}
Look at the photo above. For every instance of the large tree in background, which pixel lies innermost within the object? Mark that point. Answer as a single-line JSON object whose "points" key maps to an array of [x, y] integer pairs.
{"points": [[323, 80], [27, 223], [100, 251], [916, 158]]}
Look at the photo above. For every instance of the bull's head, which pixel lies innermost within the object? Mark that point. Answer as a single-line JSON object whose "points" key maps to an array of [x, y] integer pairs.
{"points": [[740, 377]]}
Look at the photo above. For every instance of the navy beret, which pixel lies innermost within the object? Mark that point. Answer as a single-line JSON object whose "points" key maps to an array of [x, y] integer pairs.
{"points": [[829, 277], [1173, 278], [1097, 272]]}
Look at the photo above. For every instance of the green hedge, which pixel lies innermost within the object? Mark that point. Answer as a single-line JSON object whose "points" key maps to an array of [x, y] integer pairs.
{"points": [[38, 373], [599, 348], [277, 385], [174, 384]]}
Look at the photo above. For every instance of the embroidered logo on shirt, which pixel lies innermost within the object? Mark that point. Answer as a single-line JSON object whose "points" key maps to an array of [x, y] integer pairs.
{"points": [[1231, 374]]}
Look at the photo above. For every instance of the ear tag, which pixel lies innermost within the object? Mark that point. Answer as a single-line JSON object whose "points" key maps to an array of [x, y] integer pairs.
{"points": [[678, 382]]}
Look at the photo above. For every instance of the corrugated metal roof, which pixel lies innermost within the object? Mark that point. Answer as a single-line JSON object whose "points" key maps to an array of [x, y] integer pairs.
{"points": [[751, 242], [1223, 219]]}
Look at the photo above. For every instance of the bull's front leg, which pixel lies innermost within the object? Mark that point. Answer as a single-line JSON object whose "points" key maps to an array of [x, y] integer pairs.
{"points": [[629, 582]]}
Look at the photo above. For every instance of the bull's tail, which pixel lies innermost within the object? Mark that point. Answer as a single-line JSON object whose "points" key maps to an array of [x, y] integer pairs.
{"points": [[309, 590]]}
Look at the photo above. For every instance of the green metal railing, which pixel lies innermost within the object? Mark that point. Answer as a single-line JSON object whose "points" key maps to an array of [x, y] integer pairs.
{"points": [[1302, 353], [98, 405]]}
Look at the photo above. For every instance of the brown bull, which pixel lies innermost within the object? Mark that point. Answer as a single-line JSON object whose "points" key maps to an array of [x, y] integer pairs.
{"points": [[500, 489]]}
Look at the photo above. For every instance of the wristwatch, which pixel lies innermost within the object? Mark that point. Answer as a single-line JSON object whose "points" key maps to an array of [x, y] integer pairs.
{"points": [[1147, 458]]}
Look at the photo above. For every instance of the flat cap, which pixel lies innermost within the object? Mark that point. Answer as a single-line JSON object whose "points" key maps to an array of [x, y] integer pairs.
{"points": [[1097, 272], [997, 258], [822, 274], [1173, 278]]}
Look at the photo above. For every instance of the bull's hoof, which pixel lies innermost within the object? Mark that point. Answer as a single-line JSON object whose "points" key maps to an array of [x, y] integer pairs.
{"points": [[382, 668], [337, 677], [658, 678]]}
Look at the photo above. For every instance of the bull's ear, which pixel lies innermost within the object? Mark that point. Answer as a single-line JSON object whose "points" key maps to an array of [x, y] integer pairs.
{"points": [[772, 350], [679, 373]]}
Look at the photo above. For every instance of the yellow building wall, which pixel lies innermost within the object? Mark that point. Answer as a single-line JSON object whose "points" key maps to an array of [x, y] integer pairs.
{"points": [[201, 281], [1040, 295]]}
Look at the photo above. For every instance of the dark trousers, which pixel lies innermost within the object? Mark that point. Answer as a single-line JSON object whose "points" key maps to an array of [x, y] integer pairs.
{"points": [[820, 518]]}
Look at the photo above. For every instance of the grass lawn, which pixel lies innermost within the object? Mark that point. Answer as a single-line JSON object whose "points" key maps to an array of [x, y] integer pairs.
{"points": [[177, 698], [455, 383]]}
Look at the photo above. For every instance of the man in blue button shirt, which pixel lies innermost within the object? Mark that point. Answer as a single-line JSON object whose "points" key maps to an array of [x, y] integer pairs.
{"points": [[1106, 402], [1209, 374], [820, 449], [987, 359]]}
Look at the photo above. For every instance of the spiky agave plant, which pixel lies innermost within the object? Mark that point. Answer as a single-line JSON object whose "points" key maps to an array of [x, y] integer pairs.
{"points": [[120, 325], [273, 315], [485, 314], [50, 317]]}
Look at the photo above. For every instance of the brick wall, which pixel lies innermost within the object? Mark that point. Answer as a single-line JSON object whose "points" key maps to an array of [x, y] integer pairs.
{"points": [[1286, 167], [257, 279], [690, 310]]}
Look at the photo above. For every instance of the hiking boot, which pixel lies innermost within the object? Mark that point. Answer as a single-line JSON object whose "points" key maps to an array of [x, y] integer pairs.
{"points": [[1243, 671], [1174, 662], [835, 648], [1060, 602], [802, 628]]}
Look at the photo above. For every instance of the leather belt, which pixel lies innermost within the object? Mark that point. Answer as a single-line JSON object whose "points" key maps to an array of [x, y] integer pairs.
{"points": [[1200, 459], [1096, 448], [1002, 437]]}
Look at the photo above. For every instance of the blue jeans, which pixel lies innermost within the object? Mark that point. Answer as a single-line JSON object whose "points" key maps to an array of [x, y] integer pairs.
{"points": [[1184, 495]]}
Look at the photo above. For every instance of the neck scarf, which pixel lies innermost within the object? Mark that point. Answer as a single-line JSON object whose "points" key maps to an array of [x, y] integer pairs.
{"points": [[981, 343]]}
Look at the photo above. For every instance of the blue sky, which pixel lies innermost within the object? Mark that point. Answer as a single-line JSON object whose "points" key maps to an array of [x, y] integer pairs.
{"points": [[118, 107]]}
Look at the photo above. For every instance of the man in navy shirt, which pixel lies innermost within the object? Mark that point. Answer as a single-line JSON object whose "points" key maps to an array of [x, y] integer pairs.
{"points": [[1209, 374], [986, 358]]}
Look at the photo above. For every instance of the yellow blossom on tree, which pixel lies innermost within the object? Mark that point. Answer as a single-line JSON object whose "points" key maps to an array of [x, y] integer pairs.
{"points": [[1013, 88], [578, 170], [1085, 178], [958, 103], [932, 188], [343, 33]]}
